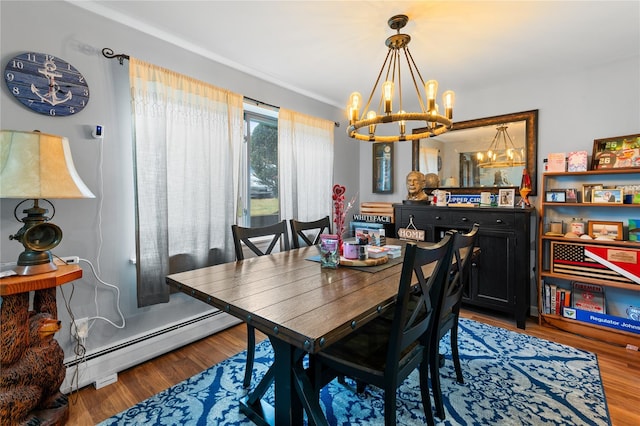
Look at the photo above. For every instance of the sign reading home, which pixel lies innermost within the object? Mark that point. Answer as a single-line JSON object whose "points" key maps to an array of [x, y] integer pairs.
{"points": [[411, 234]]}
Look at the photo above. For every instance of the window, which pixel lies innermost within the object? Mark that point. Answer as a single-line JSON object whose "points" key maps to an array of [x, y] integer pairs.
{"points": [[259, 195]]}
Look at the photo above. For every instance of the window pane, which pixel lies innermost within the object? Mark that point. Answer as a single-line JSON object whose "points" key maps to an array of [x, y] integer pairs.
{"points": [[262, 152]]}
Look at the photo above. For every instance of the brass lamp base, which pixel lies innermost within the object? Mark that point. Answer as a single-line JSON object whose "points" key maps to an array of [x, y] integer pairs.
{"points": [[35, 262]]}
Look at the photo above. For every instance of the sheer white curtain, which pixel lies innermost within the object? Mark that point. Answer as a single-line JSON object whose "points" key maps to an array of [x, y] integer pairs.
{"points": [[187, 140], [305, 165]]}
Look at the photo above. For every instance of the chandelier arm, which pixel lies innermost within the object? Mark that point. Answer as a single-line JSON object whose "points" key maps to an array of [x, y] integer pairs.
{"points": [[410, 61], [410, 56], [373, 90], [397, 63]]}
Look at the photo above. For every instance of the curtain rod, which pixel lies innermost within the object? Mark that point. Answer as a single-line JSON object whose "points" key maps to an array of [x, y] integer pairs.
{"points": [[257, 102], [108, 53]]}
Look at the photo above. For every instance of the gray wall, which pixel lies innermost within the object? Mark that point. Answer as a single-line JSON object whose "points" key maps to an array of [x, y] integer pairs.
{"points": [[102, 229]]}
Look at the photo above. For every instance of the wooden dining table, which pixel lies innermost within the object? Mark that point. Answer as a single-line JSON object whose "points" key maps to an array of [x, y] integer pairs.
{"points": [[301, 307]]}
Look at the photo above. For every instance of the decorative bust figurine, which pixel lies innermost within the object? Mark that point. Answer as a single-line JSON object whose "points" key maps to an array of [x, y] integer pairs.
{"points": [[415, 186]]}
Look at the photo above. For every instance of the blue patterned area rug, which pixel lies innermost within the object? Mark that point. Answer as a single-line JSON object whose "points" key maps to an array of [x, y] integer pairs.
{"points": [[510, 379]]}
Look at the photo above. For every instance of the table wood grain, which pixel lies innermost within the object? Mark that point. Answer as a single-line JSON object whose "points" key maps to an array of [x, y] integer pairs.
{"points": [[294, 299]]}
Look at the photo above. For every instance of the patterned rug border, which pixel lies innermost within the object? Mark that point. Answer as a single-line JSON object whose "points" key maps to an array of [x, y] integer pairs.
{"points": [[558, 377]]}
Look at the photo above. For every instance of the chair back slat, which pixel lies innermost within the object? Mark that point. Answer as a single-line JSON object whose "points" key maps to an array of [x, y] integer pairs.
{"points": [[242, 235], [413, 310], [298, 229], [449, 296]]}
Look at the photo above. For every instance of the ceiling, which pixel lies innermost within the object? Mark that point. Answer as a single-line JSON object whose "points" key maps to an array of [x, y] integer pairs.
{"points": [[327, 49]]}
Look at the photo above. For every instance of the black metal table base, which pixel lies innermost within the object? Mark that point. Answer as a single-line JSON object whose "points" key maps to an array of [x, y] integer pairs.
{"points": [[293, 393]]}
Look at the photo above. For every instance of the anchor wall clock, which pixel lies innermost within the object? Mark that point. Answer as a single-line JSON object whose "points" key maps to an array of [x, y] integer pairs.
{"points": [[46, 84]]}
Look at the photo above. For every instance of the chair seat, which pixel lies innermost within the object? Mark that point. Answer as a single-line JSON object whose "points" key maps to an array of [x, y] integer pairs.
{"points": [[367, 348]]}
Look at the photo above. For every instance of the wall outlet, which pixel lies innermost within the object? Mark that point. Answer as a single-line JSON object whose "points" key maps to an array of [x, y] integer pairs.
{"points": [[81, 329], [71, 260]]}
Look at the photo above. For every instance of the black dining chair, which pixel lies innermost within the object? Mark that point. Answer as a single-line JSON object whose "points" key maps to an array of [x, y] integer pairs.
{"points": [[384, 352], [300, 231], [447, 299], [246, 237]]}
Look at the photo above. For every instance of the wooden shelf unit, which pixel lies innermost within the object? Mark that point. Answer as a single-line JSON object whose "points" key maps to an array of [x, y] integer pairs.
{"points": [[593, 211]]}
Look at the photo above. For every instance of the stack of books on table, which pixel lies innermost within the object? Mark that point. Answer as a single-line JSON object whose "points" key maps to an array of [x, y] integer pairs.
{"points": [[376, 252], [394, 251]]}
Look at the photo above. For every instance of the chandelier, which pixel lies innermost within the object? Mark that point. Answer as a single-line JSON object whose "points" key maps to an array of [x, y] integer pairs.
{"points": [[391, 89], [501, 152]]}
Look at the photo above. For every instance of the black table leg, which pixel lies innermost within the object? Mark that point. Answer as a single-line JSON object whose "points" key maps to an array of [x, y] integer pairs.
{"points": [[293, 391]]}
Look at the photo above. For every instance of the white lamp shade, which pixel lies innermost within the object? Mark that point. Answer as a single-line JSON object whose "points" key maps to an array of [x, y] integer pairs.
{"points": [[38, 165]]}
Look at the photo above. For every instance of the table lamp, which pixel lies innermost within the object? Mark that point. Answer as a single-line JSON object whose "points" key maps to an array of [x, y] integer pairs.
{"points": [[37, 166]]}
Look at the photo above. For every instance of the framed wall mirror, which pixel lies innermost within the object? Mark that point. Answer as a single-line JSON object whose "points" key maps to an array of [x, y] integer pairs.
{"points": [[486, 153]]}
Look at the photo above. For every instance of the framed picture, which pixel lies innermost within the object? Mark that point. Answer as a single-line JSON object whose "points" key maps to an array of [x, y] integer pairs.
{"points": [[506, 197], [382, 168], [571, 195], [607, 195], [587, 191], [555, 196], [620, 152], [603, 229]]}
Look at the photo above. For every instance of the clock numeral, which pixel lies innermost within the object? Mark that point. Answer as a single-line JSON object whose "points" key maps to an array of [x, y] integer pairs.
{"points": [[72, 110], [81, 79], [17, 64], [85, 92], [15, 90], [49, 58], [9, 76], [32, 57], [52, 112]]}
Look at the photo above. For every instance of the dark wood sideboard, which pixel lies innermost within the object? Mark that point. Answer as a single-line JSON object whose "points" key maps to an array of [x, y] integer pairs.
{"points": [[500, 278]]}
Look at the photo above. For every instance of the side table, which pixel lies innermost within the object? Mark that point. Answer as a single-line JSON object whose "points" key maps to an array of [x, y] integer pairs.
{"points": [[31, 360]]}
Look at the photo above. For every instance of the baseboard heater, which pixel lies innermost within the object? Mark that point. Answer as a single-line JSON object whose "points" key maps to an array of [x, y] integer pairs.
{"points": [[109, 361]]}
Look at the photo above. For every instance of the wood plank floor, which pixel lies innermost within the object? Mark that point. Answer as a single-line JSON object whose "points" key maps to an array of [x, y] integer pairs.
{"points": [[619, 369]]}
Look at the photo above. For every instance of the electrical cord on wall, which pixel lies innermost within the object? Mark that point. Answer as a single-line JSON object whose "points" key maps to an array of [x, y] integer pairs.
{"points": [[79, 350], [95, 298]]}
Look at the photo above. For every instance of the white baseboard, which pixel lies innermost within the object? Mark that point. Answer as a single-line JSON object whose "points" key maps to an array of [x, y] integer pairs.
{"points": [[109, 361]]}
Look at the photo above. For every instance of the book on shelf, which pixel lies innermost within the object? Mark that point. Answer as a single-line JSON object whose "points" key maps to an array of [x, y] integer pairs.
{"points": [[555, 299], [589, 297], [577, 161], [557, 162], [563, 300]]}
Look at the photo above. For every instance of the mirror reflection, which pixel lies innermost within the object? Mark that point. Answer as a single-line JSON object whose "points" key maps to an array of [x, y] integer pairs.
{"points": [[479, 154]]}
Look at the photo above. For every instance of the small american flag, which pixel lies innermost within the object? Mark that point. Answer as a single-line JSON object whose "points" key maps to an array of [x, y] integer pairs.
{"points": [[570, 259]]}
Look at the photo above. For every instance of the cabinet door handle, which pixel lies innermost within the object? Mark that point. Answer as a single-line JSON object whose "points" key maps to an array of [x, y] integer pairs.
{"points": [[498, 220], [464, 219], [437, 217]]}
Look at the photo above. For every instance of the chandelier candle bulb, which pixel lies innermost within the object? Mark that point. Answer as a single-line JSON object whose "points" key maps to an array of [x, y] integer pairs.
{"points": [[432, 92], [387, 93], [372, 127], [449, 99]]}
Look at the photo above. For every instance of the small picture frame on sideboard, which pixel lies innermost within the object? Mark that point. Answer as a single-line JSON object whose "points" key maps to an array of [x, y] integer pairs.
{"points": [[506, 197]]}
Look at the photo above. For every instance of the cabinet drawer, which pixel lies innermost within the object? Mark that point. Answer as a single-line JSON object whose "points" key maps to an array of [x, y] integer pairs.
{"points": [[421, 219], [485, 220]]}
